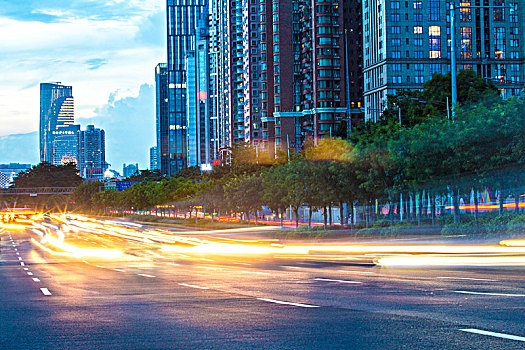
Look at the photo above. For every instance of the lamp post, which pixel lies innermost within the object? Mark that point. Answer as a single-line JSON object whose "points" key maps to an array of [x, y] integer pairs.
{"points": [[452, 10]]}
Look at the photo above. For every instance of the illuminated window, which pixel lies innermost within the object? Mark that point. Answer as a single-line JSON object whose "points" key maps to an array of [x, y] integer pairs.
{"points": [[418, 30], [434, 38], [466, 42]]}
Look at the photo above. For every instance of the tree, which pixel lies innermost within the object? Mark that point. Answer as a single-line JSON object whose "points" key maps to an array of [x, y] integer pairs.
{"points": [[48, 175]]}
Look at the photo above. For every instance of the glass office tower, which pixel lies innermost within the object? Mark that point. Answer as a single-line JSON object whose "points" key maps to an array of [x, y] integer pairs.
{"points": [[182, 17]]}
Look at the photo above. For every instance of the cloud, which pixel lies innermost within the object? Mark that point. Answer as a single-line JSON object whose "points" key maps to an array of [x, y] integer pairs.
{"points": [[129, 123], [19, 148], [96, 63]]}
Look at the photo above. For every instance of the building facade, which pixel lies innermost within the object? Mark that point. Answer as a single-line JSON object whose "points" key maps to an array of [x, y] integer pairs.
{"points": [[130, 169], [65, 145], [183, 17], [162, 118], [9, 171], [153, 158], [406, 42], [56, 113], [92, 153]]}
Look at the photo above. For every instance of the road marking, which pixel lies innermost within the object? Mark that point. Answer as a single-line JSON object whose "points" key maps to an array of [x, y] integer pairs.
{"points": [[29, 273], [206, 267], [144, 275], [205, 259], [36, 279], [192, 286], [85, 262], [256, 272], [119, 270], [238, 263], [286, 302], [45, 291], [468, 279], [291, 267], [17, 253], [26, 269], [340, 281], [486, 293], [102, 267], [22, 263], [493, 334], [19, 258]]}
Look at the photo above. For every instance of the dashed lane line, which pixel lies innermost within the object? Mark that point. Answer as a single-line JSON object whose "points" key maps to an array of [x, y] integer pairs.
{"points": [[119, 270], [287, 303], [45, 291], [468, 279], [488, 293], [338, 281], [36, 279], [29, 273], [145, 275], [493, 334], [192, 286]]}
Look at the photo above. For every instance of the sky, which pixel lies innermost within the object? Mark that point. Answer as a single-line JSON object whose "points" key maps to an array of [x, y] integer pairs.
{"points": [[106, 50]]}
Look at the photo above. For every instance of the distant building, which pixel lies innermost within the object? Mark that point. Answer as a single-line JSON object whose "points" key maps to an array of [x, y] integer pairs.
{"points": [[56, 113], [92, 153], [130, 170], [9, 171], [162, 119], [153, 158], [65, 145]]}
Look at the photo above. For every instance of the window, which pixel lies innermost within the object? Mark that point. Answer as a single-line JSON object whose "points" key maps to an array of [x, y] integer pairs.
{"points": [[465, 14], [513, 12], [499, 42], [499, 14], [418, 54], [514, 55], [418, 5], [396, 54], [323, 62], [396, 67], [514, 31], [433, 7], [435, 68], [396, 79], [418, 42], [395, 17], [276, 48], [394, 5], [418, 17], [419, 79], [396, 30], [514, 43], [434, 40], [418, 30], [466, 42], [396, 42], [501, 72], [418, 67]]}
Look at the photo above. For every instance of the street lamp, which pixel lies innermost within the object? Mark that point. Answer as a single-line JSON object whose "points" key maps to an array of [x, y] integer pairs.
{"points": [[452, 10]]}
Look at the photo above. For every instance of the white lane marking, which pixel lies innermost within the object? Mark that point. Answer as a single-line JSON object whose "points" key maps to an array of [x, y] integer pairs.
{"points": [[85, 262], [119, 270], [29, 273], [19, 258], [17, 253], [256, 272], [205, 259], [36, 279], [238, 263], [173, 264], [493, 334], [184, 256], [291, 267], [339, 281], [102, 267], [26, 269], [286, 302], [45, 291], [468, 279], [206, 267], [144, 275], [354, 271], [22, 263], [192, 286], [487, 293], [148, 259]]}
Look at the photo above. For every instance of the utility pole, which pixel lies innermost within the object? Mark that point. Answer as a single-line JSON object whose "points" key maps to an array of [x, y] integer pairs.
{"points": [[453, 58], [348, 106]]}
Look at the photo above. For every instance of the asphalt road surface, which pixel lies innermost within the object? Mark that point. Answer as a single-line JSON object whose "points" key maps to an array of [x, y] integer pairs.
{"points": [[204, 301]]}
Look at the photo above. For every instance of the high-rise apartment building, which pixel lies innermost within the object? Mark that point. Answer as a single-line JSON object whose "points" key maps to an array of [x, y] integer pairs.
{"points": [[153, 158], [162, 118], [406, 42], [183, 17], [92, 153], [56, 113]]}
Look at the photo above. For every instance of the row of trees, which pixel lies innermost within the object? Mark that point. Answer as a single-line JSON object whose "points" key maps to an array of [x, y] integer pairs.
{"points": [[380, 163]]}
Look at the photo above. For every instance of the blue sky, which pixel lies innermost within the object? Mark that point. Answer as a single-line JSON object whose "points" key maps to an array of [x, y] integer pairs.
{"points": [[106, 49]]}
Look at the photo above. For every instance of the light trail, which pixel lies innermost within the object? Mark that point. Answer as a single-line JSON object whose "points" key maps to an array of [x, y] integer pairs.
{"points": [[419, 261]]}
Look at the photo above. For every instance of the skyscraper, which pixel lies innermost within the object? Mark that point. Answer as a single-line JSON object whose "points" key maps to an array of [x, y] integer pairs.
{"points": [[65, 145], [92, 153], [182, 18], [56, 113], [162, 118], [406, 42], [153, 158]]}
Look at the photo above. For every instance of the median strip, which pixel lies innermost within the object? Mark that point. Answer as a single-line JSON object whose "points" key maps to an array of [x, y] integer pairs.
{"points": [[493, 334]]}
